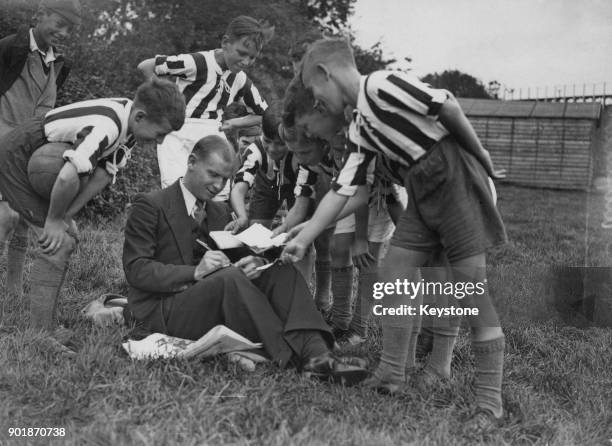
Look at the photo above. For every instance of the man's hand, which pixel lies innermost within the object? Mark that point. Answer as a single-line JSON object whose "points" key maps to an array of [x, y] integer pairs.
{"points": [[362, 258], [212, 261], [53, 236], [293, 252], [237, 225], [248, 265]]}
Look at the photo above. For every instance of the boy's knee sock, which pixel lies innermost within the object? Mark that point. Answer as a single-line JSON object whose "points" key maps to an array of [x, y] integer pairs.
{"points": [[15, 260], [323, 277], [424, 340], [47, 280], [489, 364], [363, 302], [439, 361], [395, 349], [411, 346], [342, 290]]}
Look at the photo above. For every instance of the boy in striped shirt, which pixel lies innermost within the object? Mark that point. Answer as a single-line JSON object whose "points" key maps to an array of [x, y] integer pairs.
{"points": [[450, 203], [270, 169], [211, 80], [96, 131]]}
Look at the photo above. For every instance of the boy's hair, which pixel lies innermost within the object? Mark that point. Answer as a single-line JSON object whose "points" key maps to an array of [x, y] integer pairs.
{"points": [[161, 99], [299, 47], [257, 31], [213, 144], [235, 110], [270, 121], [331, 51], [298, 101]]}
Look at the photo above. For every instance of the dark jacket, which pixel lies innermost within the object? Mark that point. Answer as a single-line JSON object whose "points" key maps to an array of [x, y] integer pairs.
{"points": [[14, 50], [158, 248]]}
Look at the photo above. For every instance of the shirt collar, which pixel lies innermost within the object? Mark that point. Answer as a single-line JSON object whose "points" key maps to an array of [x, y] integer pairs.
{"points": [[190, 199], [48, 57], [215, 65]]}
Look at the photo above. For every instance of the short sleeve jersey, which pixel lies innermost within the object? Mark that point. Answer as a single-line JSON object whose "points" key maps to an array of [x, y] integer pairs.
{"points": [[97, 130], [397, 117], [207, 88]]}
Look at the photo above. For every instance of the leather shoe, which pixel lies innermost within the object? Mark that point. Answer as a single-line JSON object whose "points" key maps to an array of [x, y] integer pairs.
{"points": [[347, 372]]}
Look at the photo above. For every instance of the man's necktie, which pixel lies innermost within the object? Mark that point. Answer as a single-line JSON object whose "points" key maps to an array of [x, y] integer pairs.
{"points": [[199, 213]]}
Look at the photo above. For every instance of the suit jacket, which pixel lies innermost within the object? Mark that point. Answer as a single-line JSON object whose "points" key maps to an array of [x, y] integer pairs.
{"points": [[158, 249], [14, 50]]}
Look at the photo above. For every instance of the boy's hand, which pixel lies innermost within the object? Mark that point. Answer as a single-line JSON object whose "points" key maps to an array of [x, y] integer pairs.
{"points": [[293, 232], [279, 229], [53, 236], [237, 225], [362, 258], [293, 252], [248, 265], [212, 260], [227, 126], [496, 174]]}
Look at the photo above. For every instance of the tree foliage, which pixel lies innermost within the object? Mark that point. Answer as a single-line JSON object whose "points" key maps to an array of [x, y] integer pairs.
{"points": [[117, 34], [460, 84]]}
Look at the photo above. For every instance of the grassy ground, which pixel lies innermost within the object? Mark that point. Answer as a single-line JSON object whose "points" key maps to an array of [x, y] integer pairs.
{"points": [[557, 378]]}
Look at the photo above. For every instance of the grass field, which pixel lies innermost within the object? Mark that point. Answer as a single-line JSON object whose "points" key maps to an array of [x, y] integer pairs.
{"points": [[557, 378]]}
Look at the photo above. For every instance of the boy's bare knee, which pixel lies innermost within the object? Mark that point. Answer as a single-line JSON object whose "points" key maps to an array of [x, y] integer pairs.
{"points": [[9, 219]]}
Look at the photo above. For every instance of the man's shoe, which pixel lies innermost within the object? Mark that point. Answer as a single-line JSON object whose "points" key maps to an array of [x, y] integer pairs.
{"points": [[347, 372]]}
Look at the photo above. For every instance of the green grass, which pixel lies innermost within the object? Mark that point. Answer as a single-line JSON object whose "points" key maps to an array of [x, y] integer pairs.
{"points": [[557, 379]]}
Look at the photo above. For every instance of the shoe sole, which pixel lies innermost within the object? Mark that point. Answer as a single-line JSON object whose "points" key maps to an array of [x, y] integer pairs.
{"points": [[345, 378]]}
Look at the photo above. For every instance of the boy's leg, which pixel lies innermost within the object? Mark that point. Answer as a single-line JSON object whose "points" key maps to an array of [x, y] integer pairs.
{"points": [[364, 299], [9, 219], [16, 253], [323, 270], [400, 265], [46, 279], [487, 336], [342, 281]]}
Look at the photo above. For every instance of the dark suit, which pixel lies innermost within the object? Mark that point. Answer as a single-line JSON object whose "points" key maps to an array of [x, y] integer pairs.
{"points": [[159, 262]]}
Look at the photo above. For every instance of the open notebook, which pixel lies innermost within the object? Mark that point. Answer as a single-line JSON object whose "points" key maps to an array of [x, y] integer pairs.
{"points": [[257, 237]]}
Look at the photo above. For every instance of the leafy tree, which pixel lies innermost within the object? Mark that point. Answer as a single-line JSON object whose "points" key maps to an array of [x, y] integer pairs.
{"points": [[460, 84]]}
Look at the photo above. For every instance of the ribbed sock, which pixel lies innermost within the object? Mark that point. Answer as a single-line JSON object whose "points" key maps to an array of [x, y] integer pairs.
{"points": [[323, 278], [47, 279], [412, 346], [393, 356], [439, 361], [489, 363], [424, 341], [363, 302], [15, 260], [342, 291]]}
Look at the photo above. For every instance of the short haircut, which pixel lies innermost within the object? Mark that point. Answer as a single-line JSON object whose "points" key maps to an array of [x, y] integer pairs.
{"points": [[298, 101], [301, 44], [257, 31], [213, 144], [235, 110], [333, 51], [161, 99], [270, 121]]}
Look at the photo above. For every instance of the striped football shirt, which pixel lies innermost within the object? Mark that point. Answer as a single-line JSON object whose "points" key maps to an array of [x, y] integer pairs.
{"points": [[207, 88], [396, 116], [97, 130], [257, 160]]}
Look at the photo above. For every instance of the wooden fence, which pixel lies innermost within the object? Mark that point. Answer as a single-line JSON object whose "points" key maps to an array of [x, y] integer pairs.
{"points": [[541, 144]]}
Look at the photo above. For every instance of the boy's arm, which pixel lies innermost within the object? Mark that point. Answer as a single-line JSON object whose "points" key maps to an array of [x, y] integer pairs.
{"points": [[362, 258], [64, 190], [238, 202], [98, 181], [452, 117], [243, 121], [147, 68], [332, 206]]}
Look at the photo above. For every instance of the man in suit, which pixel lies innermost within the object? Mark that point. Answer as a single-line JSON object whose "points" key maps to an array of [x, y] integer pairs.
{"points": [[179, 289]]}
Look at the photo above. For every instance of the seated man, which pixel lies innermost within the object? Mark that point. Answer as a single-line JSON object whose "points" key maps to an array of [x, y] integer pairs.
{"points": [[177, 291]]}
